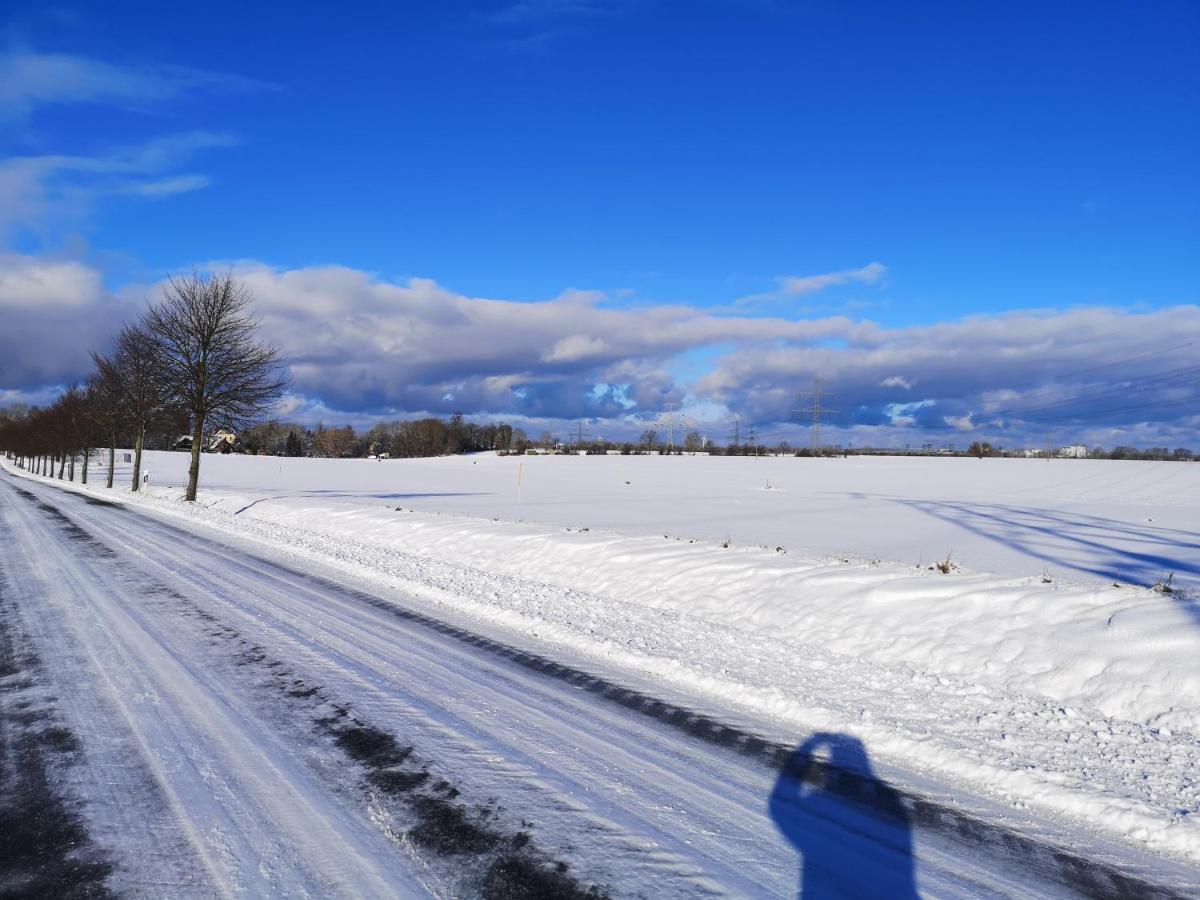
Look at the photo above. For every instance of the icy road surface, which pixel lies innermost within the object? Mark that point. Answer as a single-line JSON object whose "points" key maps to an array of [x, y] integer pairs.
{"points": [[180, 716]]}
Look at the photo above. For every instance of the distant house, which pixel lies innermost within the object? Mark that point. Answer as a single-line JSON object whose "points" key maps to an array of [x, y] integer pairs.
{"points": [[222, 441], [1075, 451]]}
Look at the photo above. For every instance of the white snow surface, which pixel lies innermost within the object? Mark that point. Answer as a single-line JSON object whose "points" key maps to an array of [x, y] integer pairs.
{"points": [[1128, 521], [801, 594]]}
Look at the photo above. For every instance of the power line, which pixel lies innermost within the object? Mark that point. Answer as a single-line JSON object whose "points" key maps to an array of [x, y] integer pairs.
{"points": [[1195, 398], [1103, 366], [815, 411], [667, 419], [1146, 384], [737, 429]]}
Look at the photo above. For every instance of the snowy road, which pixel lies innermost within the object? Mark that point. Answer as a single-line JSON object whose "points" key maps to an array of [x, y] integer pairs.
{"points": [[200, 719]]}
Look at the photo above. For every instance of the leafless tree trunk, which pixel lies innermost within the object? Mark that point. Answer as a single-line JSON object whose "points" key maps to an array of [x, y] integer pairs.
{"points": [[209, 357], [105, 386], [142, 387]]}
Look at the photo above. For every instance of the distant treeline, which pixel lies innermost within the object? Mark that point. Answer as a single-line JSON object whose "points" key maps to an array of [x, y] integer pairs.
{"points": [[399, 439], [1183, 454], [441, 437]]}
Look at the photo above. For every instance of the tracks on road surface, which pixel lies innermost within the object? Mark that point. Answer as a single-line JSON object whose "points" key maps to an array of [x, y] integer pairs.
{"points": [[286, 733]]}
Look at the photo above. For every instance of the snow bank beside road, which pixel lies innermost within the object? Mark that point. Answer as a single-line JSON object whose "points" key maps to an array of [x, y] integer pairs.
{"points": [[1081, 699], [1126, 651]]}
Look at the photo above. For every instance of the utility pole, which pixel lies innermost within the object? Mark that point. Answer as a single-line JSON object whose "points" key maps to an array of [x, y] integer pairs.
{"points": [[579, 441], [667, 419], [737, 431], [815, 410]]}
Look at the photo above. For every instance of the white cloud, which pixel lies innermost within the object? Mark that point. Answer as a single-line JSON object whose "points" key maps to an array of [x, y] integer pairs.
{"points": [[53, 313], [575, 348], [897, 381], [38, 193], [794, 286], [537, 11], [29, 283], [903, 414], [166, 187], [789, 287], [29, 80]]}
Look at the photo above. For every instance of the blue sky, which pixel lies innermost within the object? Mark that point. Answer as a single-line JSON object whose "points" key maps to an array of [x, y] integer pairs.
{"points": [[903, 165]]}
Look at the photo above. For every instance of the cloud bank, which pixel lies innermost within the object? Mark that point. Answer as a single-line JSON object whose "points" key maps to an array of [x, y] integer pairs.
{"points": [[358, 347]]}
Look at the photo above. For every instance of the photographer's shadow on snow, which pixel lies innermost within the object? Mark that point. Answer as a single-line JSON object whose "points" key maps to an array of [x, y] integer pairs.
{"points": [[851, 830]]}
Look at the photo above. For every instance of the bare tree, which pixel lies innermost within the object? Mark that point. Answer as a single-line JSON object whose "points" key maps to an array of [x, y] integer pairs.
{"points": [[107, 410], [144, 391], [76, 427], [209, 357], [91, 427], [981, 450]]}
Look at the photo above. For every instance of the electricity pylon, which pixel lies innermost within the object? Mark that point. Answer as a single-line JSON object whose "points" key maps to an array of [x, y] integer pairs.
{"points": [[815, 410]]}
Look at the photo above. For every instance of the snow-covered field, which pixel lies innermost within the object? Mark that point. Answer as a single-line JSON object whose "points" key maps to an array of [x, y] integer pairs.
{"points": [[803, 594], [1084, 520]]}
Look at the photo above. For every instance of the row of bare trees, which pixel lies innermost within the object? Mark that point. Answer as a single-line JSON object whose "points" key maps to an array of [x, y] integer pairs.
{"points": [[192, 357]]}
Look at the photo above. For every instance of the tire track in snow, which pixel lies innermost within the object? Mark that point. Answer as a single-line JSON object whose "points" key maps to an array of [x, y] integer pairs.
{"points": [[511, 865], [259, 823], [45, 848]]}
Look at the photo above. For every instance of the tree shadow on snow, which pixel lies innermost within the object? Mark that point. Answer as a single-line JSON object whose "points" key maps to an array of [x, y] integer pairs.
{"points": [[1190, 605], [851, 829], [1088, 544], [359, 495], [378, 496]]}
